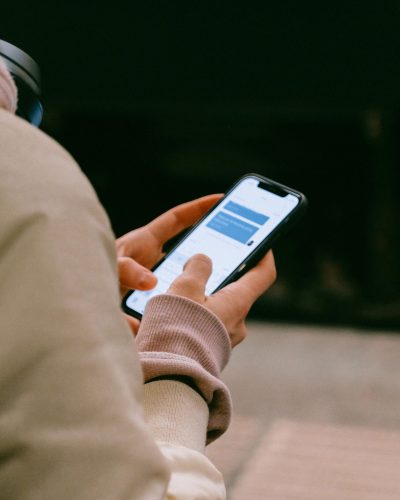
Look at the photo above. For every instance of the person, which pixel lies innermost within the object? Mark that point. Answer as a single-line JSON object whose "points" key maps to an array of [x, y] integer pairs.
{"points": [[88, 410]]}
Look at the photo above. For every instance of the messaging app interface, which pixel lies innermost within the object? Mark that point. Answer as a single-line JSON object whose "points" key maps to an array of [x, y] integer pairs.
{"points": [[227, 235]]}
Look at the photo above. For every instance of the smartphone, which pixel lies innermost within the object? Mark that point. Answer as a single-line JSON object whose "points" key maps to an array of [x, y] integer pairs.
{"points": [[235, 234]]}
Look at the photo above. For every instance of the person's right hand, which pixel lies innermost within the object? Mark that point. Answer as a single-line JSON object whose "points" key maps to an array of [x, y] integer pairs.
{"points": [[232, 303], [140, 249]]}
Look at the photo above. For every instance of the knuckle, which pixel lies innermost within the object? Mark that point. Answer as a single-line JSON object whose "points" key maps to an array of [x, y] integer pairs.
{"points": [[123, 264], [239, 335], [185, 284], [188, 281], [243, 333]]}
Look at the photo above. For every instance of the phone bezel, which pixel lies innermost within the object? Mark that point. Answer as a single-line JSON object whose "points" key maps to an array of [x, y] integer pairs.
{"points": [[258, 252]]}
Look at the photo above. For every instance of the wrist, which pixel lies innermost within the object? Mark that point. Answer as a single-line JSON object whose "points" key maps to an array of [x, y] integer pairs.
{"points": [[180, 338]]}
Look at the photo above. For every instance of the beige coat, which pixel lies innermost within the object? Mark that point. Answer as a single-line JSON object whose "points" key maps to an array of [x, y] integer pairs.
{"points": [[72, 404]]}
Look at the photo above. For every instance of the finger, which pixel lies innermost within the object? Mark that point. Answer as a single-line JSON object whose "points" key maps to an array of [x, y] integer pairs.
{"points": [[133, 323], [256, 281], [175, 220], [238, 334], [134, 276], [192, 282]]}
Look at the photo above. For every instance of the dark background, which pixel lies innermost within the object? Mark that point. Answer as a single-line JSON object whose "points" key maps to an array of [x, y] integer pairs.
{"points": [[160, 102]]}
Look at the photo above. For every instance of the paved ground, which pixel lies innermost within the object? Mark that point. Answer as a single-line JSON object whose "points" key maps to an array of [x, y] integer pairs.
{"points": [[307, 375]]}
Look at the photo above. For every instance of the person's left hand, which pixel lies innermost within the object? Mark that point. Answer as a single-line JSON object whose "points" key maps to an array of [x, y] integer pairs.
{"points": [[231, 303], [139, 250]]}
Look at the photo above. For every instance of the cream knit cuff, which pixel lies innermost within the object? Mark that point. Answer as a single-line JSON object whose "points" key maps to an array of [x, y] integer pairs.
{"points": [[8, 89], [176, 414], [179, 337]]}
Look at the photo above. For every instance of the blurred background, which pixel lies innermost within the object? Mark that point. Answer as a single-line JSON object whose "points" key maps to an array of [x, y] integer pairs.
{"points": [[160, 102]]}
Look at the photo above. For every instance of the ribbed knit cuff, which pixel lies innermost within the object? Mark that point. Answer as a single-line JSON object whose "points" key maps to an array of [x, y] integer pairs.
{"points": [[176, 414], [179, 337]]}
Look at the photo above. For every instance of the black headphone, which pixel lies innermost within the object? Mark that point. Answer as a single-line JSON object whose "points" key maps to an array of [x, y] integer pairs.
{"points": [[26, 74]]}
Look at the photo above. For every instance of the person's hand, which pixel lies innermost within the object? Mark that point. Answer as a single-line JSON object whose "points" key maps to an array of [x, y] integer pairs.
{"points": [[139, 250], [232, 303]]}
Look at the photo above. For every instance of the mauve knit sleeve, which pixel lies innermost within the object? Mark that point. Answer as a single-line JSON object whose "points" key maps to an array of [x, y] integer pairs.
{"points": [[180, 338]]}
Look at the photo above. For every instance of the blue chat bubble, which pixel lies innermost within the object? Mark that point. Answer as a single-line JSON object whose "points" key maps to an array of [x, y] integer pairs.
{"points": [[232, 227], [246, 213]]}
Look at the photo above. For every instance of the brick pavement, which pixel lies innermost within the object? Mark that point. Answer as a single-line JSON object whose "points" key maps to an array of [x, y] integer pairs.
{"points": [[317, 380]]}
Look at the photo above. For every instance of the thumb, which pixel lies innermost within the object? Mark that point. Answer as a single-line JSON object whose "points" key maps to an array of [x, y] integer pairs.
{"points": [[192, 282]]}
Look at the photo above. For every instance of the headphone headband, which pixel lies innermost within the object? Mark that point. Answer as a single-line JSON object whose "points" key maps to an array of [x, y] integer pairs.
{"points": [[26, 74]]}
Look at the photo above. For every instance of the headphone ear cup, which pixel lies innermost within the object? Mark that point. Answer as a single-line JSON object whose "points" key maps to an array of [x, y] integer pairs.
{"points": [[26, 74], [29, 106]]}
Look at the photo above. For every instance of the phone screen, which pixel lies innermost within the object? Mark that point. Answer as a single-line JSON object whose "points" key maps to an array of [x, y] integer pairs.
{"points": [[228, 235]]}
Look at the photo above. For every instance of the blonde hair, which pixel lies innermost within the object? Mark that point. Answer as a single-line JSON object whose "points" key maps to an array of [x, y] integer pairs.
{"points": [[8, 90]]}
